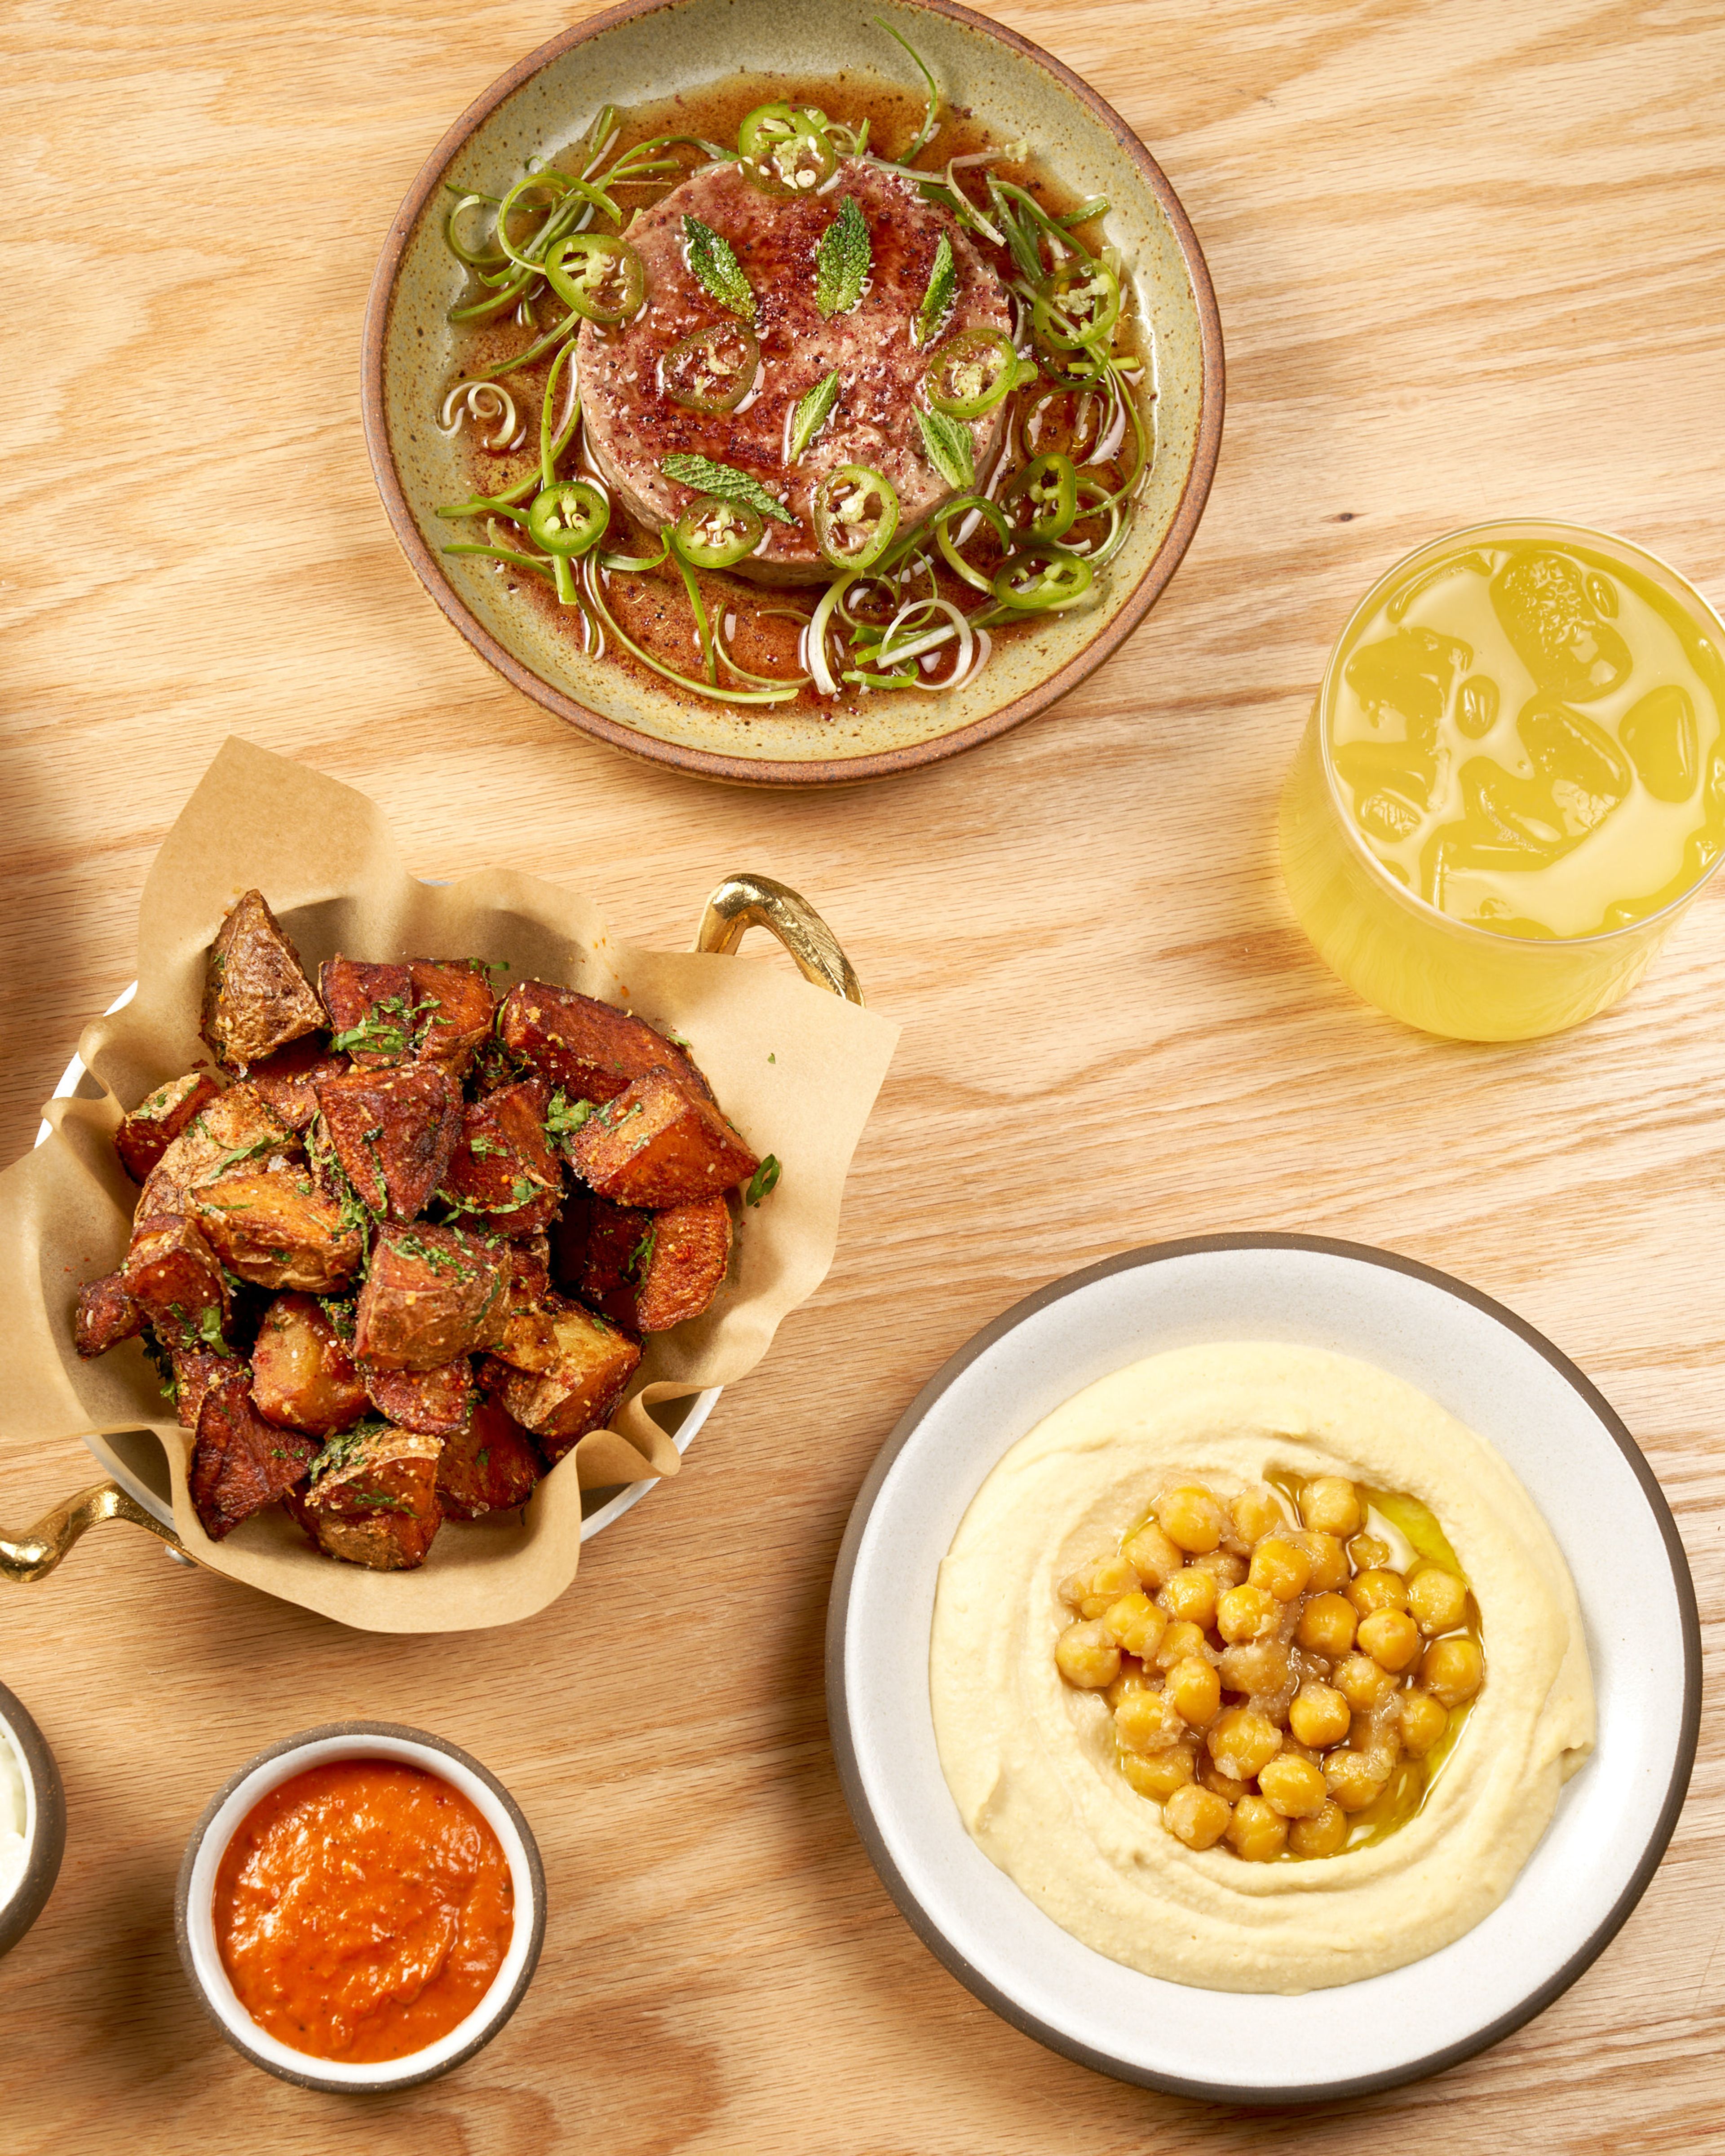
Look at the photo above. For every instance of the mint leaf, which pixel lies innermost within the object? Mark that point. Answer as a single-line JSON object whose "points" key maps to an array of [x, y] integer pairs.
{"points": [[812, 414], [842, 261], [942, 290], [710, 259], [725, 481], [946, 444]]}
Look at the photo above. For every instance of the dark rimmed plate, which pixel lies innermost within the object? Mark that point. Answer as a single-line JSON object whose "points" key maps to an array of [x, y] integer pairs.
{"points": [[1583, 1469], [650, 49]]}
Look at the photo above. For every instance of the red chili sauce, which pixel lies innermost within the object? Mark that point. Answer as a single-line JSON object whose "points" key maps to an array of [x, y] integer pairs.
{"points": [[362, 1909]]}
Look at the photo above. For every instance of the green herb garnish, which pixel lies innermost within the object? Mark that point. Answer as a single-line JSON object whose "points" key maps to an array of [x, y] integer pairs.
{"points": [[946, 443], [710, 260], [813, 410], [842, 261], [725, 481], [564, 1114], [942, 290], [763, 1179], [641, 1256]]}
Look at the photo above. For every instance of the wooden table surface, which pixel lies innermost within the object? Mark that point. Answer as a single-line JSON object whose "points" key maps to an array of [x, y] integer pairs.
{"points": [[1468, 258]]}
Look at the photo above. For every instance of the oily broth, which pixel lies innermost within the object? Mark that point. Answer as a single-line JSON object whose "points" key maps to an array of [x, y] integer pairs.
{"points": [[763, 624]]}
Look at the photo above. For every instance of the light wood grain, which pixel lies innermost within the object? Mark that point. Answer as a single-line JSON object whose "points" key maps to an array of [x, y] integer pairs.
{"points": [[1469, 263]]}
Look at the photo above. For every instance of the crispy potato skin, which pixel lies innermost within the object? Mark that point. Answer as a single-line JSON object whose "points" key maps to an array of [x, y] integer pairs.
{"points": [[288, 1082], [659, 1144], [453, 1011], [432, 1293], [171, 1275], [392, 1133], [256, 997], [237, 1130], [590, 1048], [279, 1230], [302, 1374], [376, 1503], [151, 1127], [435, 1403], [593, 1364], [239, 1462], [489, 1465], [374, 1003], [195, 1369], [528, 1341], [690, 1256], [106, 1316], [503, 1169]]}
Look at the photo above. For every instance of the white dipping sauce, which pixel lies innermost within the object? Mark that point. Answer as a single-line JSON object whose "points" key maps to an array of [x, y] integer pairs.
{"points": [[13, 1848]]}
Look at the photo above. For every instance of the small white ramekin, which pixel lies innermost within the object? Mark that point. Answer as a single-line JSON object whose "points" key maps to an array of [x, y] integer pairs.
{"points": [[194, 1907], [44, 1821]]}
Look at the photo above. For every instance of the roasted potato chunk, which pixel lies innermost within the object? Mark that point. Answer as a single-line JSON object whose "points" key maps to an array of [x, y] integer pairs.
{"points": [[658, 1144], [392, 1133], [106, 1316], [453, 1011], [288, 1083], [151, 1127], [239, 1462], [488, 1466], [279, 1230], [593, 1364], [370, 1011], [256, 997], [589, 1048], [435, 1403], [236, 1130], [195, 1369], [528, 1341], [302, 1374], [432, 1293], [173, 1275], [503, 1169], [651, 1270], [372, 1499]]}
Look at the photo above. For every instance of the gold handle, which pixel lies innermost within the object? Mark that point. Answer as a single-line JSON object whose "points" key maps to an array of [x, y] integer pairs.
{"points": [[742, 903], [33, 1554]]}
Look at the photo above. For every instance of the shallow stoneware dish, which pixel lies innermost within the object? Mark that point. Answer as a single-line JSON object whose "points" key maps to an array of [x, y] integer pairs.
{"points": [[44, 1825], [1581, 1469], [651, 49], [194, 1921]]}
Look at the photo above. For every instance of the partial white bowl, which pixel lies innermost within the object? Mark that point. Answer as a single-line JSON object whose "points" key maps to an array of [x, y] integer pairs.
{"points": [[44, 1821], [194, 1907], [1583, 1469]]}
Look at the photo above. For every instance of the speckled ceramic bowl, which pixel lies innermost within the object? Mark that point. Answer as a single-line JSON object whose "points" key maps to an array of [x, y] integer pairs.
{"points": [[655, 49], [44, 1825]]}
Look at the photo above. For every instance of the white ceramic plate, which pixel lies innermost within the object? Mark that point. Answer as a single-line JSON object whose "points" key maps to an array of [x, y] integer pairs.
{"points": [[1583, 1472], [137, 1463]]}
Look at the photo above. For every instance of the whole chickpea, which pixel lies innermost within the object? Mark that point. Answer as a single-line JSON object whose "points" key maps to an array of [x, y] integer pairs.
{"points": [[1087, 1656], [1423, 1722], [1147, 1721], [1257, 1831], [1242, 1742], [1152, 1556], [1257, 1512], [1280, 1566], [1322, 1836], [1158, 1774], [1437, 1600], [1326, 1625], [1136, 1623], [1190, 1596], [1353, 1779], [1319, 1715], [1331, 1505], [1363, 1682], [1452, 1670], [1181, 1639], [1195, 1692], [1376, 1589], [1090, 1590], [1328, 1558], [1293, 1787], [1190, 1515], [1198, 1817], [1391, 1638], [1247, 1613]]}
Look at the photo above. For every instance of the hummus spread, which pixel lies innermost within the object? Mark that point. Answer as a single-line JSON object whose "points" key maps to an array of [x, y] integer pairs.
{"points": [[1031, 1761]]}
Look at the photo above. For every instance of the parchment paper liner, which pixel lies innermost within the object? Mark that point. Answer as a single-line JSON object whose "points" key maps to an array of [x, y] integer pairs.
{"points": [[795, 1068]]}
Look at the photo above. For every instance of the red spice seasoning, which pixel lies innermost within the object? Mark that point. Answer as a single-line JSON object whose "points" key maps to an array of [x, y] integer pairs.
{"points": [[362, 1909]]}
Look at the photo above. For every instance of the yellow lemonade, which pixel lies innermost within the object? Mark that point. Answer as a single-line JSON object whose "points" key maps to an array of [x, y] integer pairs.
{"points": [[1513, 777]]}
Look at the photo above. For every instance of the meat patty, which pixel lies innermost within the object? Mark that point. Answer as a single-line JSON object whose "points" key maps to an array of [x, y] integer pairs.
{"points": [[632, 425]]}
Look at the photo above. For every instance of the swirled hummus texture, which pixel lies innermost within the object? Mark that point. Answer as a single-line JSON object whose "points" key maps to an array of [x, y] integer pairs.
{"points": [[1031, 1762]]}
